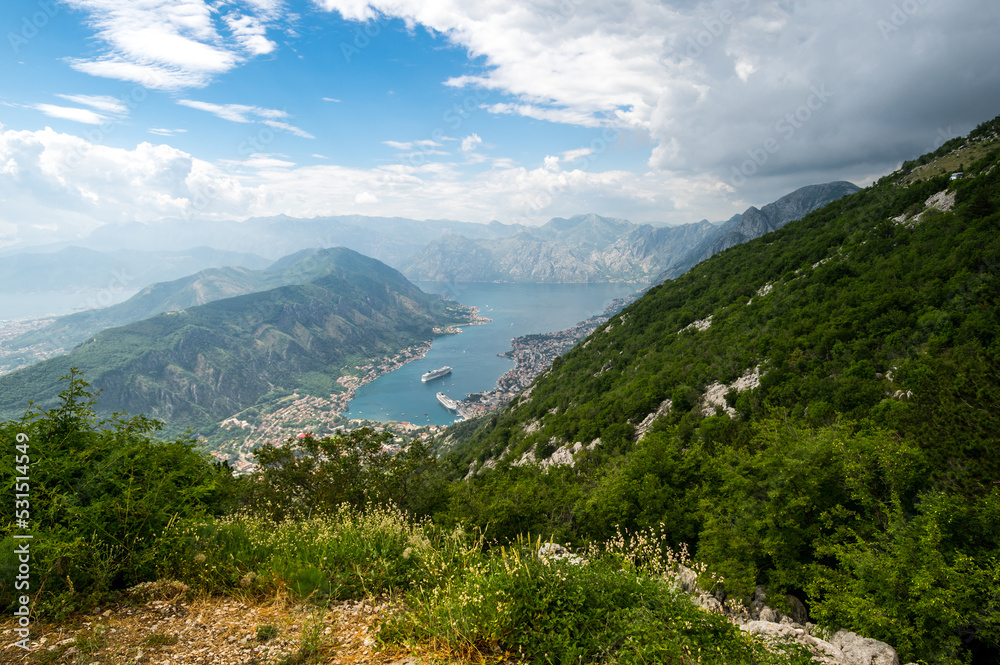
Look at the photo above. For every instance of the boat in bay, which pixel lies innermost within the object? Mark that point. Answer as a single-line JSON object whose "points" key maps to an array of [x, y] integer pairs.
{"points": [[436, 374], [447, 402]]}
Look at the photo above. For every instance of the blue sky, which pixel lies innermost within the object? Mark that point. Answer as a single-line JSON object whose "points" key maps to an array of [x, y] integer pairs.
{"points": [[668, 112]]}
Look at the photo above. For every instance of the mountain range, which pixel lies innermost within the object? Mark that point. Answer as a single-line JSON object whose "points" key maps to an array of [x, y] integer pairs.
{"points": [[591, 248], [199, 365], [202, 287]]}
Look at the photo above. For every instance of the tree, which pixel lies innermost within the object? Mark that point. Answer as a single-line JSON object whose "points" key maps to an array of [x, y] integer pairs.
{"points": [[100, 494], [307, 475]]}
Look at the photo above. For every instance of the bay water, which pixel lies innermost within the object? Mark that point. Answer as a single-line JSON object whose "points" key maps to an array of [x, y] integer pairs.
{"points": [[515, 310]]}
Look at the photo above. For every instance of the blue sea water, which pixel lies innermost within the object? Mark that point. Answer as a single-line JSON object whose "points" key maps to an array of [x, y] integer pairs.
{"points": [[515, 310]]}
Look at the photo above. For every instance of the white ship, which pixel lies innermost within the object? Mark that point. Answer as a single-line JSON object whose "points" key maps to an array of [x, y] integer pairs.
{"points": [[448, 402], [436, 374]]}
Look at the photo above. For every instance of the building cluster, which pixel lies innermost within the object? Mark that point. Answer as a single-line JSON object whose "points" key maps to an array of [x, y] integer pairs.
{"points": [[321, 416], [26, 355], [532, 355]]}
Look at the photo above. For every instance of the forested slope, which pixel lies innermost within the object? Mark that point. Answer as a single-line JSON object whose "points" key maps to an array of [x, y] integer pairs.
{"points": [[861, 475]]}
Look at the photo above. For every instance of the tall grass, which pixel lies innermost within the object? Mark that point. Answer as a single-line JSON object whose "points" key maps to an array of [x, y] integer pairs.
{"points": [[623, 605]]}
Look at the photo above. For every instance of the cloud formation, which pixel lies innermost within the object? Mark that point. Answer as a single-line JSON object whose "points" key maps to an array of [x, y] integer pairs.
{"points": [[172, 45], [704, 79], [244, 113], [76, 185]]}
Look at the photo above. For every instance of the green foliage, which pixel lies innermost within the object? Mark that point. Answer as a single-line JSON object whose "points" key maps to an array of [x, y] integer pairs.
{"points": [[916, 581], [101, 493], [309, 475], [612, 608]]}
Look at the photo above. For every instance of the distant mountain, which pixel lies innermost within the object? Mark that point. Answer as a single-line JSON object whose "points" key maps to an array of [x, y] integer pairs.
{"points": [[199, 365], [202, 287], [584, 248], [591, 248], [80, 268], [388, 239], [755, 222]]}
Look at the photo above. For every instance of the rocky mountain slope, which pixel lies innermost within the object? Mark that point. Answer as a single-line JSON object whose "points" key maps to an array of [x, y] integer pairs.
{"points": [[816, 411], [755, 222]]}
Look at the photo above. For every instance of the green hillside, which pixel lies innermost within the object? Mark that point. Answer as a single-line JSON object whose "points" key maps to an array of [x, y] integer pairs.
{"points": [[200, 288], [862, 474], [196, 366]]}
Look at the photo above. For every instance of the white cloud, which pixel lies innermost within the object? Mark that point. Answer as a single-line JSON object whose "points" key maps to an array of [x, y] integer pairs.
{"points": [[85, 116], [244, 113], [161, 131], [78, 185], [292, 129], [471, 142], [233, 112], [578, 153], [176, 44], [330, 99], [249, 32], [104, 103]]}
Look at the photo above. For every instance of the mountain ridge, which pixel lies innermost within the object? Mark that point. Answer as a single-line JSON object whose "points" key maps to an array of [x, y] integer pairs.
{"points": [[592, 248]]}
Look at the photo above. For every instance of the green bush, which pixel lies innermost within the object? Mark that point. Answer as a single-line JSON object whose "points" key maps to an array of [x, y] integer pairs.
{"points": [[101, 494]]}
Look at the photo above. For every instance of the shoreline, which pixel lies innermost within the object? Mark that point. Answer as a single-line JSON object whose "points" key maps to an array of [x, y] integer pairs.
{"points": [[272, 428]]}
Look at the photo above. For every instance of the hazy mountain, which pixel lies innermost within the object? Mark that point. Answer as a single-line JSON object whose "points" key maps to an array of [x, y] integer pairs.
{"points": [[201, 364], [82, 268], [591, 248], [202, 287], [584, 248], [388, 239]]}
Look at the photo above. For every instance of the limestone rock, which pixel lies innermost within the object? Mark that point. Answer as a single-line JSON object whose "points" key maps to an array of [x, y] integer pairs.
{"points": [[556, 552], [859, 650]]}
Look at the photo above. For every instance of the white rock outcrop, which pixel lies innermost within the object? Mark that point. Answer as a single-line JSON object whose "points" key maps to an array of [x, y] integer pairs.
{"points": [[715, 394]]}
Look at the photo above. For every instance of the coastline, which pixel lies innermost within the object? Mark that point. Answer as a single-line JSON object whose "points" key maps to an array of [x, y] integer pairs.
{"points": [[321, 413]]}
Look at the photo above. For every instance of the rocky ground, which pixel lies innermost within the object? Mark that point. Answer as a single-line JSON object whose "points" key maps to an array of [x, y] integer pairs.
{"points": [[161, 625], [213, 631]]}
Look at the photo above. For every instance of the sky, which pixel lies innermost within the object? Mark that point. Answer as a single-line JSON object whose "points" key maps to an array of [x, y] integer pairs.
{"points": [[517, 111]]}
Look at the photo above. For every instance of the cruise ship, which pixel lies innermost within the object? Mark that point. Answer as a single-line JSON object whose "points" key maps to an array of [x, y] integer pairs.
{"points": [[448, 402], [436, 374]]}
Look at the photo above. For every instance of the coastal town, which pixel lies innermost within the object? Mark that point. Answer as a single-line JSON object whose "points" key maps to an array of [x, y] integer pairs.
{"points": [[324, 416], [320, 416], [13, 358], [532, 355]]}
